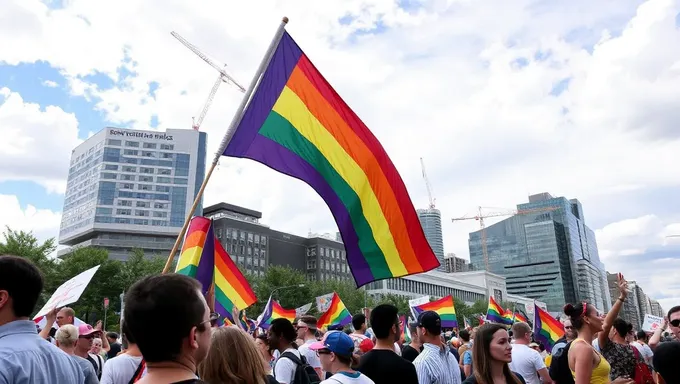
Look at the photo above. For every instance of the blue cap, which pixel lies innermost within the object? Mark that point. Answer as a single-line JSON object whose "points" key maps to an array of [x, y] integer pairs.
{"points": [[337, 342]]}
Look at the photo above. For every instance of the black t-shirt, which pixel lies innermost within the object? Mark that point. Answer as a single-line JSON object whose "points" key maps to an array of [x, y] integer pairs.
{"points": [[409, 353], [113, 352], [386, 367]]}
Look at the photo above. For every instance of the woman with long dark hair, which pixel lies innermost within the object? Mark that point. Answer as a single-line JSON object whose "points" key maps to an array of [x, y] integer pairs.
{"points": [[491, 353]]}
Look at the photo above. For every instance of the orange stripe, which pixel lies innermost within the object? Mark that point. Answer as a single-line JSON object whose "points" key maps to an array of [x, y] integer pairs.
{"points": [[232, 274], [357, 149]]}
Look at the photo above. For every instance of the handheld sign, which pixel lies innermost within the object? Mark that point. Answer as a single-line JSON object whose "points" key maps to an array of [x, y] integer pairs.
{"points": [[69, 292], [652, 323]]}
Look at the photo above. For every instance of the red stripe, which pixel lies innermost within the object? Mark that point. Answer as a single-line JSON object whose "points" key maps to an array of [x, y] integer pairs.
{"points": [[425, 256], [325, 319], [232, 274], [437, 304]]}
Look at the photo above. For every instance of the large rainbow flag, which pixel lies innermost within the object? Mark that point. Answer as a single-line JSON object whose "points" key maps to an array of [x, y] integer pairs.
{"points": [[204, 259], [495, 313], [298, 125], [444, 307], [272, 311], [547, 329], [337, 314]]}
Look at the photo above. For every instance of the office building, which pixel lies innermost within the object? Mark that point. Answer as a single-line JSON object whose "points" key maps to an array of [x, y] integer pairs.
{"points": [[431, 221], [656, 309], [131, 189], [546, 252], [254, 246], [630, 310], [453, 263]]}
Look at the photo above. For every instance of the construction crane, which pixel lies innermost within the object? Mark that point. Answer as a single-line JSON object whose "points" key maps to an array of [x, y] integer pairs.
{"points": [[427, 184], [223, 77], [481, 216]]}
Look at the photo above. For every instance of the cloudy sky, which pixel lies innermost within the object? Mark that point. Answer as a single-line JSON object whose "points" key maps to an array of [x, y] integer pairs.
{"points": [[502, 98]]}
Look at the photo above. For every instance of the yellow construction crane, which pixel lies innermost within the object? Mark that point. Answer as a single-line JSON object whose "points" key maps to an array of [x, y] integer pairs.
{"points": [[481, 216], [427, 184], [223, 77]]}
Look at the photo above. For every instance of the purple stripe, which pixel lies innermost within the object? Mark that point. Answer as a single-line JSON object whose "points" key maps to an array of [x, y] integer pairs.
{"points": [[276, 76], [219, 308], [279, 158], [206, 266]]}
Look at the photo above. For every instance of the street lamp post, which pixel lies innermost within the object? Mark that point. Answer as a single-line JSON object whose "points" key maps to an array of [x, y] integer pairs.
{"points": [[285, 287]]}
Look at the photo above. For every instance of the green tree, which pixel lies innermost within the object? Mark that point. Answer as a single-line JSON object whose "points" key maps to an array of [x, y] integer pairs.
{"points": [[398, 301]]}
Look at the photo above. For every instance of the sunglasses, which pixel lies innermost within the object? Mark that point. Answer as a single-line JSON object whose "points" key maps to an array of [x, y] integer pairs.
{"points": [[675, 323], [569, 327], [323, 352]]}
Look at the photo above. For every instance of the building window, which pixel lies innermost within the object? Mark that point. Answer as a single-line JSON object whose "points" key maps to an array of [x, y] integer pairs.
{"points": [[113, 142], [162, 188], [161, 179], [164, 172], [150, 145], [129, 169], [145, 170], [146, 179], [130, 152], [160, 205], [107, 175], [134, 144], [180, 181], [169, 147], [148, 154], [127, 186], [143, 204], [123, 212], [127, 177], [144, 187], [110, 167]]}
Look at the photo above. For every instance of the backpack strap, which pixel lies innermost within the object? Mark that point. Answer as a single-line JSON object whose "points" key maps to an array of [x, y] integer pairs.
{"points": [[291, 356], [138, 372]]}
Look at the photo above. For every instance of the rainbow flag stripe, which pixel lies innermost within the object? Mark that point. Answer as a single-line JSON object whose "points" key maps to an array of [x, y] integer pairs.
{"points": [[444, 307], [507, 317], [298, 125], [273, 310], [495, 313], [197, 258], [231, 287], [547, 329], [337, 314], [519, 317]]}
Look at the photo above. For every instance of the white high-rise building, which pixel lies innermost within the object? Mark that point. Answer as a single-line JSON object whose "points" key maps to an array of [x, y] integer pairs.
{"points": [[431, 221], [132, 189]]}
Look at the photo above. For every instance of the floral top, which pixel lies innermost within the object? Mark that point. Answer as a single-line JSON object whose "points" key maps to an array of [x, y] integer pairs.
{"points": [[621, 358]]}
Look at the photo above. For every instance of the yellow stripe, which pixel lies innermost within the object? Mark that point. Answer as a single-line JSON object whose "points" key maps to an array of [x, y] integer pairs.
{"points": [[295, 111], [190, 256], [229, 290]]}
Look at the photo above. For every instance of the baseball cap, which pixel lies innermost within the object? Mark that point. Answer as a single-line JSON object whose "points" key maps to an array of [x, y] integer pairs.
{"points": [[86, 329], [430, 321], [336, 327], [336, 342]]}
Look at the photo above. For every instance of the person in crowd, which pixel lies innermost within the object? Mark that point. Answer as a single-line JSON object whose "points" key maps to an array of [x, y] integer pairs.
{"points": [[222, 365], [672, 323], [666, 358], [306, 330], [587, 365], [525, 360], [282, 337], [435, 364], [359, 334], [382, 364], [24, 355], [336, 352], [86, 336], [128, 367], [465, 352], [115, 347], [97, 348], [173, 349], [569, 335], [492, 353], [266, 352], [613, 345], [412, 350], [66, 338], [557, 360], [641, 344]]}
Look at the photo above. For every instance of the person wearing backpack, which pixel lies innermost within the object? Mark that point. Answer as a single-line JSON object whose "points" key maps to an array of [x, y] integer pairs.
{"points": [[336, 353], [291, 367], [559, 364]]}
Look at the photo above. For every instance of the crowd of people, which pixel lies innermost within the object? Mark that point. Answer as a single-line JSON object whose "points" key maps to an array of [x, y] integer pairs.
{"points": [[170, 336]]}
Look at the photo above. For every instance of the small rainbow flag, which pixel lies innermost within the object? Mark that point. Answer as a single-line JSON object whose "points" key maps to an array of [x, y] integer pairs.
{"points": [[197, 258], [444, 307], [507, 317], [495, 313], [337, 314], [231, 287], [272, 311], [405, 330], [547, 329], [519, 317], [298, 125]]}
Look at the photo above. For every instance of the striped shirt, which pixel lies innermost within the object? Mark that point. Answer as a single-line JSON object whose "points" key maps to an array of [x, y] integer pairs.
{"points": [[436, 365]]}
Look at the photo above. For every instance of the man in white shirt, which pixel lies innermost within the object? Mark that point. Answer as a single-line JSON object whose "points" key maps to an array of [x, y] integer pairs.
{"points": [[526, 361], [282, 336], [126, 367], [641, 345], [335, 353], [306, 330]]}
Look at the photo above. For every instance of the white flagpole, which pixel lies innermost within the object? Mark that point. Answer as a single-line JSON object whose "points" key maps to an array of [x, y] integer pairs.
{"points": [[236, 120]]}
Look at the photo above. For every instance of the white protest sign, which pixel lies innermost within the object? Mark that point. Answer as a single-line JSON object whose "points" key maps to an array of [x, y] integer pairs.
{"points": [[323, 302], [652, 323], [69, 292], [415, 302], [301, 311]]}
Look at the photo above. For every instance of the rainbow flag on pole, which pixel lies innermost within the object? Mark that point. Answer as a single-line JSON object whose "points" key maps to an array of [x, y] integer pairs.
{"points": [[337, 314], [444, 307], [272, 311], [495, 313], [547, 329], [519, 317], [197, 258], [508, 317], [296, 123]]}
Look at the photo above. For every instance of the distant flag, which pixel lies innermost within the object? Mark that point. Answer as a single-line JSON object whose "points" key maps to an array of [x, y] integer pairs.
{"points": [[547, 329], [444, 307], [507, 317], [337, 314], [405, 331], [467, 323], [519, 317], [495, 313], [482, 319], [301, 311], [272, 311], [298, 125]]}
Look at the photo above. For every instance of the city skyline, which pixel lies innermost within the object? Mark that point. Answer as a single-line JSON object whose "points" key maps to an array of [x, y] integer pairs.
{"points": [[507, 107]]}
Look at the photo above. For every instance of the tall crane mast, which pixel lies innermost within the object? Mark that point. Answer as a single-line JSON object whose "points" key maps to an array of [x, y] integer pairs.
{"points": [[427, 184], [480, 216], [223, 77]]}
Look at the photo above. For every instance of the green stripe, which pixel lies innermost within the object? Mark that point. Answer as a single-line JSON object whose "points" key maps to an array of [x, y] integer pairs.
{"points": [[448, 317], [190, 270], [284, 133], [223, 299]]}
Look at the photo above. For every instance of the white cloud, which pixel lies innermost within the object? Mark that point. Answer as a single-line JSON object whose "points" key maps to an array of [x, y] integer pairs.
{"points": [[37, 142], [468, 89], [44, 223], [50, 84]]}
